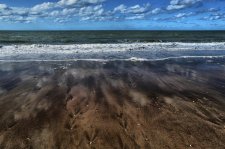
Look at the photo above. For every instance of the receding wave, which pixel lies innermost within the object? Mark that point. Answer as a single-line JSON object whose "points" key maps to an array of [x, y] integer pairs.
{"points": [[119, 51]]}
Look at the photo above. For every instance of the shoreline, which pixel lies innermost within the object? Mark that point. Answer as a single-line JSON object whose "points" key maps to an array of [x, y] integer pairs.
{"points": [[125, 51], [132, 59]]}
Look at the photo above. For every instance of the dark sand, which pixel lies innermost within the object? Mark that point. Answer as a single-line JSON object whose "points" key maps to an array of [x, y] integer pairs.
{"points": [[177, 103]]}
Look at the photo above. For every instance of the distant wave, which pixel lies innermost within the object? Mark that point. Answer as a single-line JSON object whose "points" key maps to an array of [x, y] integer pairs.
{"points": [[91, 37]]}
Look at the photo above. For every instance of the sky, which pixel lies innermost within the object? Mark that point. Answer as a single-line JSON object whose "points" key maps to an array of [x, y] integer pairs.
{"points": [[112, 14]]}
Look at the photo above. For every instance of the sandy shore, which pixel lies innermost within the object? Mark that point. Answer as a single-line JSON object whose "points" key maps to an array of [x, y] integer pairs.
{"points": [[174, 103]]}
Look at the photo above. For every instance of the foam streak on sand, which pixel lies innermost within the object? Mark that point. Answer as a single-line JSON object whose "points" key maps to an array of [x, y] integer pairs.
{"points": [[131, 51]]}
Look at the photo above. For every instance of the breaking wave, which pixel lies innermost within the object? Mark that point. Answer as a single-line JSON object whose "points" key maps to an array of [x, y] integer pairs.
{"points": [[104, 52]]}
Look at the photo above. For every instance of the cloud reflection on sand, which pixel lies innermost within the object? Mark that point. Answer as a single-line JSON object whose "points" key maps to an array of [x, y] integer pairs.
{"points": [[89, 103]]}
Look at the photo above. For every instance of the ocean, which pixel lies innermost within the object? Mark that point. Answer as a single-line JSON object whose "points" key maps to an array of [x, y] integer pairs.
{"points": [[71, 37], [109, 45]]}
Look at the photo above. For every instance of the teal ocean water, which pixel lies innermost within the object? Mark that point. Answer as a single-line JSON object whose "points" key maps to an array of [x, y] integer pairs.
{"points": [[70, 37]]}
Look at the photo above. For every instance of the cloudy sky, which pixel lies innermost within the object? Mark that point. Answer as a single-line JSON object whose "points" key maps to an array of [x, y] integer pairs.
{"points": [[112, 14]]}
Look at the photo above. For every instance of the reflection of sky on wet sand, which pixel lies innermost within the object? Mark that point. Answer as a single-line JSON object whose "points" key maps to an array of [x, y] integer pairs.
{"points": [[138, 80], [134, 75], [30, 90]]}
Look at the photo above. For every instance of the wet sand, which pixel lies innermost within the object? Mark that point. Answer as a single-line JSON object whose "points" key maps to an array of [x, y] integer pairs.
{"points": [[173, 103]]}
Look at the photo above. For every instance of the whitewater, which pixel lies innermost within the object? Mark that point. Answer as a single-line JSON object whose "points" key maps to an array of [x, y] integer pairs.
{"points": [[118, 51]]}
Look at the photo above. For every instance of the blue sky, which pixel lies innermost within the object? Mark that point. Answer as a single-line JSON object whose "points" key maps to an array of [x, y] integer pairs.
{"points": [[112, 14]]}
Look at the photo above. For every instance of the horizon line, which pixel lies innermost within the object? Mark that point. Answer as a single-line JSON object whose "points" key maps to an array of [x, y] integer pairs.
{"points": [[111, 30]]}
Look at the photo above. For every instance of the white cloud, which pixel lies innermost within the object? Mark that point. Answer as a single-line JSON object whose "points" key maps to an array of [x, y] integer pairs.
{"points": [[83, 10], [180, 4], [156, 10], [133, 12], [3, 6], [182, 15], [51, 10], [91, 12], [77, 3], [215, 16], [43, 7], [67, 2], [135, 17], [136, 9], [120, 8]]}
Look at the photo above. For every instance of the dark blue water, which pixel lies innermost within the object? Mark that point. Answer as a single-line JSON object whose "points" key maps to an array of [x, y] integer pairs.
{"points": [[70, 37]]}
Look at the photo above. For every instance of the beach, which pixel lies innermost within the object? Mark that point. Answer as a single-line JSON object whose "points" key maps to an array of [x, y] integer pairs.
{"points": [[134, 103], [112, 89], [110, 74]]}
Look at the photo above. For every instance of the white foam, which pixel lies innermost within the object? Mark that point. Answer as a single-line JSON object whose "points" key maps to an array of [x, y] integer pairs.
{"points": [[131, 51]]}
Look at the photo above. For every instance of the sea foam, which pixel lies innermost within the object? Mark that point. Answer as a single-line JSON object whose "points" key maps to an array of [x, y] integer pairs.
{"points": [[120, 51]]}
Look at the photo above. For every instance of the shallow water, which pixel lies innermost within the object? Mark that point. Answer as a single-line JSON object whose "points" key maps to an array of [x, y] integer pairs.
{"points": [[114, 104], [104, 52]]}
